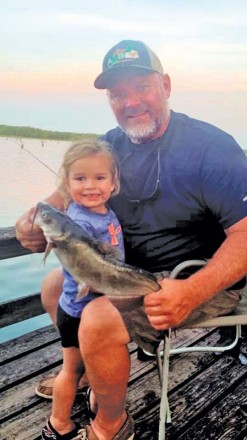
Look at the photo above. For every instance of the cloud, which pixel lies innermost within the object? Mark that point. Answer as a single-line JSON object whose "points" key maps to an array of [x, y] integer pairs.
{"points": [[53, 22], [52, 51], [112, 25]]}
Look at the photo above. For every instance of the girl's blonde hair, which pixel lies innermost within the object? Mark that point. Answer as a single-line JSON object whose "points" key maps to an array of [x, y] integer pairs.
{"points": [[85, 148]]}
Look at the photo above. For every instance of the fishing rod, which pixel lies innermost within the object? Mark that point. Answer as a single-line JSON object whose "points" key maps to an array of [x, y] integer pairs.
{"points": [[35, 157]]}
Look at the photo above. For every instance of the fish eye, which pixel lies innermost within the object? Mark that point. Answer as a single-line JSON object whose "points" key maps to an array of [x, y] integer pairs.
{"points": [[44, 214]]}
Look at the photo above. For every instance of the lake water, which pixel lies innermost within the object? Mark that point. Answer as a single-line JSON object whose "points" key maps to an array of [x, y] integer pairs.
{"points": [[23, 182]]}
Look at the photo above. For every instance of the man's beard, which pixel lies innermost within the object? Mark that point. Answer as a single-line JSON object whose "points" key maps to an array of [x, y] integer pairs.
{"points": [[145, 132], [142, 133]]}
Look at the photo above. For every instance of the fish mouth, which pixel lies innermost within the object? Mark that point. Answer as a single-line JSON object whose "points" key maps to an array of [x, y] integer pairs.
{"points": [[43, 216], [33, 218], [34, 215], [45, 219]]}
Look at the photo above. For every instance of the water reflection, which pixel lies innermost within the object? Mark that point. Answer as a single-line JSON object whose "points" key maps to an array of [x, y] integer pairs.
{"points": [[23, 182]]}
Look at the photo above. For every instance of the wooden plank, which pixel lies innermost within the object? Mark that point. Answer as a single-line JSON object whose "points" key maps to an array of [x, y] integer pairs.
{"points": [[34, 419], [13, 374], [18, 379], [34, 415], [20, 309], [28, 425], [180, 338], [195, 398], [183, 368], [147, 424], [30, 342], [18, 391], [23, 368], [35, 410], [226, 420], [9, 246], [143, 395], [186, 370], [191, 407], [143, 391]]}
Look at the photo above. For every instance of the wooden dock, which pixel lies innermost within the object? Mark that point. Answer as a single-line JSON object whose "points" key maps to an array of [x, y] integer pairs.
{"points": [[207, 391]]}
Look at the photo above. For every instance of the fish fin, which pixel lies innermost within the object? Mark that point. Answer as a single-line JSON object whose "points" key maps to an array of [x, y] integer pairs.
{"points": [[110, 251], [48, 249], [83, 290]]}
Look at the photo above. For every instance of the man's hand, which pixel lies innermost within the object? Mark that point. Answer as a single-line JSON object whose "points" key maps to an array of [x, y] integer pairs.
{"points": [[170, 305], [29, 235]]}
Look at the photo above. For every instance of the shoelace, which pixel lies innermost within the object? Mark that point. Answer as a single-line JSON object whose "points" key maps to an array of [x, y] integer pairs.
{"points": [[81, 435]]}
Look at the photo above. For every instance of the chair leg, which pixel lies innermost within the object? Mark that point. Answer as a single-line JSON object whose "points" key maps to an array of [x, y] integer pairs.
{"points": [[209, 348], [159, 355], [165, 415]]}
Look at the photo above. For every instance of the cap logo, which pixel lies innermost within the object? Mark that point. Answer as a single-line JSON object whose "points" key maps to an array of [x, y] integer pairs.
{"points": [[121, 55]]}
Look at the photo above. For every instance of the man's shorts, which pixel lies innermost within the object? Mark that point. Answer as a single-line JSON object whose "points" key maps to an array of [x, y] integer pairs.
{"points": [[68, 328], [136, 321], [146, 337]]}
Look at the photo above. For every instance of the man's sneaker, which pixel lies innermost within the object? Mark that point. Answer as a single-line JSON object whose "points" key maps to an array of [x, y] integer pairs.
{"points": [[143, 355], [49, 433], [126, 432]]}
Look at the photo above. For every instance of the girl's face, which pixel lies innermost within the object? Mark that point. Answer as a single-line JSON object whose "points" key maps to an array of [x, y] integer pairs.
{"points": [[90, 182]]}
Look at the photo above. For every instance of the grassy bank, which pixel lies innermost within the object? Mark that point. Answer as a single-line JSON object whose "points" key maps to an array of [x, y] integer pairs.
{"points": [[37, 133]]}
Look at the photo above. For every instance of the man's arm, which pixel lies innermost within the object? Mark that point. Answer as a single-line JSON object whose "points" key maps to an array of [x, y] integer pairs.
{"points": [[177, 298], [31, 236]]}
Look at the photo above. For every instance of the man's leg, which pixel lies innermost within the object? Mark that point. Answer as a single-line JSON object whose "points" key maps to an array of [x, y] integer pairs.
{"points": [[221, 304], [103, 342]]}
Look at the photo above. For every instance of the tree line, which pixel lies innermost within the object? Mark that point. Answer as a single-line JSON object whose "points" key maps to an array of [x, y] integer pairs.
{"points": [[38, 133]]}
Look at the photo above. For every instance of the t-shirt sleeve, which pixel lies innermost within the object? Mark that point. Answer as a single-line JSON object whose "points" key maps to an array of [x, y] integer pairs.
{"points": [[224, 180]]}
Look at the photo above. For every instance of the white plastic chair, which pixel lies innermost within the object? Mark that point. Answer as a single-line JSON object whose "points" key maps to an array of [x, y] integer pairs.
{"points": [[237, 318]]}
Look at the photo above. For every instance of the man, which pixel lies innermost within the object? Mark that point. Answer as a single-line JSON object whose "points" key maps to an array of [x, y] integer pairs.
{"points": [[183, 196]]}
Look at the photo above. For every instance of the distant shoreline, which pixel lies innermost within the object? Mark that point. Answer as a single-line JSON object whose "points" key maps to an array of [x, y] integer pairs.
{"points": [[38, 133]]}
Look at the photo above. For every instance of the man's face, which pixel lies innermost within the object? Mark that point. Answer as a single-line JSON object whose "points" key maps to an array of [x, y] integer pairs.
{"points": [[140, 104]]}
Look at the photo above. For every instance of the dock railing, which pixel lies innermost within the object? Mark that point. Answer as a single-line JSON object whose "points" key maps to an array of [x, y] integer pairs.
{"points": [[26, 307]]}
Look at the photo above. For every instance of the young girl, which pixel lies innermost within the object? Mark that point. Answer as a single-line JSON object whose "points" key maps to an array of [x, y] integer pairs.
{"points": [[88, 177]]}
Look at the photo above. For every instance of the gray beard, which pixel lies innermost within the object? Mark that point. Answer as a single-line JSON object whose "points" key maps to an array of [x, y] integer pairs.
{"points": [[145, 133], [141, 134]]}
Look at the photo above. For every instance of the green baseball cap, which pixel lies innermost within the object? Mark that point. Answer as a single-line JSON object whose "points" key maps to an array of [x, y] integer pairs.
{"points": [[128, 54]]}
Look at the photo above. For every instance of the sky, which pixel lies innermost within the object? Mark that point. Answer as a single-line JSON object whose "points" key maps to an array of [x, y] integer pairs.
{"points": [[52, 50]]}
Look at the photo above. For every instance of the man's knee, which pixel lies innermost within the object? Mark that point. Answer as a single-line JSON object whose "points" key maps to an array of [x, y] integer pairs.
{"points": [[101, 326]]}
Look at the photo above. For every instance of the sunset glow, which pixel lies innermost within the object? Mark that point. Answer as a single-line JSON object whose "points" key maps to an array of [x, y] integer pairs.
{"points": [[51, 52]]}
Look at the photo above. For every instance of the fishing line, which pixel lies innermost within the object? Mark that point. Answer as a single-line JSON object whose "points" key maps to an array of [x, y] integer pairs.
{"points": [[35, 157]]}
